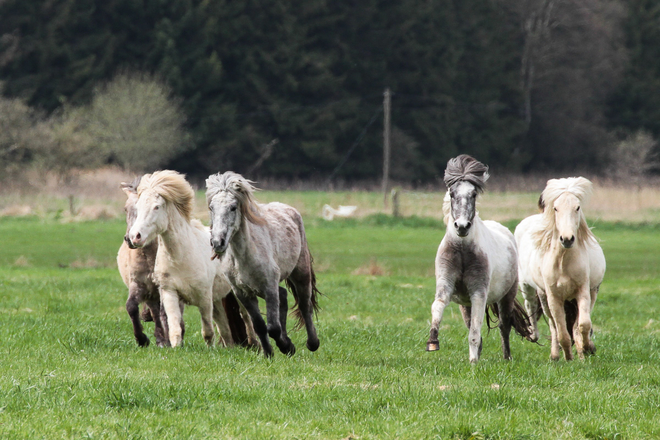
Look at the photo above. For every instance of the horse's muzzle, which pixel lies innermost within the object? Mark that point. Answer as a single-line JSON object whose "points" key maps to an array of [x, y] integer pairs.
{"points": [[129, 243], [567, 243]]}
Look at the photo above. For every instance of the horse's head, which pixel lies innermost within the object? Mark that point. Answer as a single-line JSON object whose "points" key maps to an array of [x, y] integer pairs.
{"points": [[567, 218], [130, 189], [465, 177], [230, 202], [463, 206], [562, 201], [151, 218], [161, 195]]}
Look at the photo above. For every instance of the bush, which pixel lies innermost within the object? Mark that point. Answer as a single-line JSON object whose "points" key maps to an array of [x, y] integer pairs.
{"points": [[135, 122]]}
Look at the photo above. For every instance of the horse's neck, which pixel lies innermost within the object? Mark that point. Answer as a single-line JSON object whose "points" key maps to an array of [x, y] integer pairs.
{"points": [[177, 239], [242, 246]]}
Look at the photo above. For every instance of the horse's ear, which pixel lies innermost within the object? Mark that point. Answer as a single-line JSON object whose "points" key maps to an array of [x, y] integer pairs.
{"points": [[127, 188], [238, 187], [541, 203]]}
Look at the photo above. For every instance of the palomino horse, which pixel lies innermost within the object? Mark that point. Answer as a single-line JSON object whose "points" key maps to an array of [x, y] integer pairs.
{"points": [[136, 267], [262, 245], [182, 267], [561, 261], [476, 263]]}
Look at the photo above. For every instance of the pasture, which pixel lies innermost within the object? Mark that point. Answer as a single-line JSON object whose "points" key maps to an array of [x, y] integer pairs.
{"points": [[70, 368]]}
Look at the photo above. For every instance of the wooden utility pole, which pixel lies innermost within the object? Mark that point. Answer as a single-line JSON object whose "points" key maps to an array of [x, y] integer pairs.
{"points": [[386, 142]]}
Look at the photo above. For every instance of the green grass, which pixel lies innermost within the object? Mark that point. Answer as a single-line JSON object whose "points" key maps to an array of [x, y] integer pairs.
{"points": [[70, 368]]}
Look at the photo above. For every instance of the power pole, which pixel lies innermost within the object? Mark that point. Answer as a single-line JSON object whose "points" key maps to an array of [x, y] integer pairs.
{"points": [[387, 101]]}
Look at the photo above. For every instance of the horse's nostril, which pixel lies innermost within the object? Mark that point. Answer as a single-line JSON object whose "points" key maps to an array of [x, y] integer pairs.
{"points": [[468, 225], [456, 225], [222, 242], [138, 236]]}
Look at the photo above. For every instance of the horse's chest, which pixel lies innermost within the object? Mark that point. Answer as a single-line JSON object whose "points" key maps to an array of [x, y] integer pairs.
{"points": [[466, 267]]}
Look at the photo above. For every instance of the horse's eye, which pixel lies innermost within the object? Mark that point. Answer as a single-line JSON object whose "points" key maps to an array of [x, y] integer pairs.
{"points": [[555, 209], [232, 209], [156, 208], [578, 208]]}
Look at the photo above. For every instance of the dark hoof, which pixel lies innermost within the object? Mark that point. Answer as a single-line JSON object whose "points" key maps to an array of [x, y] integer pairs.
{"points": [[142, 340], [432, 346], [292, 350], [313, 345]]}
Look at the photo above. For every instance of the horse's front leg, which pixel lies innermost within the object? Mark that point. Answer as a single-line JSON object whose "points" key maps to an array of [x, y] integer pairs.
{"points": [[133, 310], [251, 304], [288, 347], [170, 303], [563, 338], [206, 313], [583, 341], [478, 301], [442, 297], [160, 332], [275, 322]]}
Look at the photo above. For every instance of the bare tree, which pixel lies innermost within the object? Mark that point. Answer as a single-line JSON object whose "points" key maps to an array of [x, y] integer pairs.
{"points": [[135, 122]]}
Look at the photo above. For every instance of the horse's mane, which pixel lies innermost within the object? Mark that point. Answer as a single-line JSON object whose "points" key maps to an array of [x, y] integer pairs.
{"points": [[577, 186], [239, 187], [465, 168], [173, 187]]}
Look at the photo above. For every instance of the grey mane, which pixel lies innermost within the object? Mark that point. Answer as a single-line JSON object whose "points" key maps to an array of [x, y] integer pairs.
{"points": [[465, 168]]}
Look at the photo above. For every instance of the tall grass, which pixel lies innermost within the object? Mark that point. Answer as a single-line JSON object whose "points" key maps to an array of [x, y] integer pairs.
{"points": [[69, 367]]}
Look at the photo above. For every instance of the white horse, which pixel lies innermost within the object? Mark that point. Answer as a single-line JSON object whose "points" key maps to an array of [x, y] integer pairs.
{"points": [[183, 269], [262, 245], [561, 261], [476, 263]]}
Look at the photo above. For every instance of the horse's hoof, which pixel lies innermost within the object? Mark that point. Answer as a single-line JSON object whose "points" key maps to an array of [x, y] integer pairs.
{"points": [[313, 345], [292, 351], [432, 346], [142, 340]]}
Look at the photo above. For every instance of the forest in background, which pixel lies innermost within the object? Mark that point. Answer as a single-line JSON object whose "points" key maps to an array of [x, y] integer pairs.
{"points": [[286, 89]]}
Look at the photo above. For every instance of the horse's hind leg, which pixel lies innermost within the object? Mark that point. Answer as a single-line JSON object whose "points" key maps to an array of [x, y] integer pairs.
{"points": [[251, 304], [220, 318], [133, 310], [505, 306], [289, 348], [302, 288], [532, 307]]}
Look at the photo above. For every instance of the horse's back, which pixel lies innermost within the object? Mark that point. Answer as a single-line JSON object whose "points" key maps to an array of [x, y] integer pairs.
{"points": [[502, 257], [287, 234], [528, 253]]}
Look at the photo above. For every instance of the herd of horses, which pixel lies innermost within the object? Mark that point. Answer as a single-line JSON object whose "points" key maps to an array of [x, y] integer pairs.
{"points": [[169, 259]]}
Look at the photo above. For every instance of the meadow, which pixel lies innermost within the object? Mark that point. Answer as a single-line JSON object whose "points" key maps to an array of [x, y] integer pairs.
{"points": [[70, 368]]}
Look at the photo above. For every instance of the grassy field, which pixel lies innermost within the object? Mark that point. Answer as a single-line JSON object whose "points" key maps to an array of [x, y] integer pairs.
{"points": [[70, 368]]}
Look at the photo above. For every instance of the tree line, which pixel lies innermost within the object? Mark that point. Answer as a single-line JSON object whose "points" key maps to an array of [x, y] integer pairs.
{"points": [[283, 89]]}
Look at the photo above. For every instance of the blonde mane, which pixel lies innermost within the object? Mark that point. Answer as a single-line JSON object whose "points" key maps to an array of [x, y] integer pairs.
{"points": [[239, 187], [578, 187], [173, 187]]}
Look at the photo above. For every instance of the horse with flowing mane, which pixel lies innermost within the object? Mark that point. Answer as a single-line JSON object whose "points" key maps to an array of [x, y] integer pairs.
{"points": [[476, 263], [261, 246], [561, 263], [136, 267], [182, 268]]}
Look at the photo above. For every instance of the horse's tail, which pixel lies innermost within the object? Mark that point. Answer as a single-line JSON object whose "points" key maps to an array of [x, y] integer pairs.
{"points": [[519, 319], [313, 299]]}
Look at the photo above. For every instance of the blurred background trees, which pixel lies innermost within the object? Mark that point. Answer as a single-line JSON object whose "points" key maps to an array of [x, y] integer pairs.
{"points": [[285, 88]]}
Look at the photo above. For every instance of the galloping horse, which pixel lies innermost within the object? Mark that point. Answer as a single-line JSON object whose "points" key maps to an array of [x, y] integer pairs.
{"points": [[136, 267], [476, 263], [182, 267], [561, 261], [262, 245]]}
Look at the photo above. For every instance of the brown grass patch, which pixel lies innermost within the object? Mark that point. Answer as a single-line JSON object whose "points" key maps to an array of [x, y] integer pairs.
{"points": [[16, 211], [89, 263], [22, 261], [372, 269]]}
